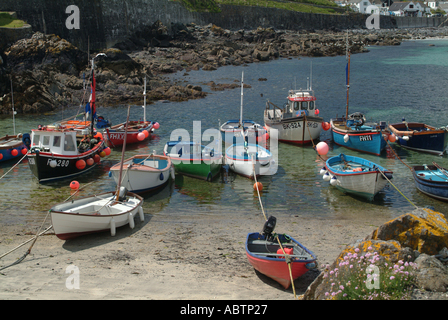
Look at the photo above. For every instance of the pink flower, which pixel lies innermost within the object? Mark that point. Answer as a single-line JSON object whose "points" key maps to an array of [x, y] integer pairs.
{"points": [[357, 250], [392, 278], [369, 248]]}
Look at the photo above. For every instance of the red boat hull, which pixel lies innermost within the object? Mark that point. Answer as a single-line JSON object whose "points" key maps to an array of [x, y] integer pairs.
{"points": [[116, 133], [276, 268]]}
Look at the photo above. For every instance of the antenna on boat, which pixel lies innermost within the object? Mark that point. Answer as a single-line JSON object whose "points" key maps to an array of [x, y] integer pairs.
{"points": [[122, 157], [144, 105], [311, 76], [241, 108], [13, 111]]}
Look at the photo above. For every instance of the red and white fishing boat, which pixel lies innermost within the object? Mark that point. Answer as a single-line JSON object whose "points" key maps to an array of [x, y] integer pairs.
{"points": [[67, 148], [267, 256], [137, 130], [298, 122]]}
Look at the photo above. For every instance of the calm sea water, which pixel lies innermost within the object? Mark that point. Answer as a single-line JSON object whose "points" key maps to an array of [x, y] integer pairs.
{"points": [[387, 84]]}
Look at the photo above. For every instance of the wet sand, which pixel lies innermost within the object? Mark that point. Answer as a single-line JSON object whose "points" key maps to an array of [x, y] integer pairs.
{"points": [[188, 257]]}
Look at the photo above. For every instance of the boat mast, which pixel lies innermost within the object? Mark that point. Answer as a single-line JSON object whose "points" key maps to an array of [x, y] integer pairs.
{"points": [[13, 111], [144, 105], [122, 156], [241, 108], [347, 75]]}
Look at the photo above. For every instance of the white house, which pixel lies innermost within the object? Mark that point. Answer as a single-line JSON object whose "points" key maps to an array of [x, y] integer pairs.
{"points": [[359, 5], [433, 4]]}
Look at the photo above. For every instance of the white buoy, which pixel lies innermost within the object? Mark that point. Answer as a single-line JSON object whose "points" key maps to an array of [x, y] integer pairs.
{"points": [[333, 181], [326, 177], [112, 227], [173, 175], [346, 138], [140, 212], [322, 171], [53, 163], [405, 138], [131, 220]]}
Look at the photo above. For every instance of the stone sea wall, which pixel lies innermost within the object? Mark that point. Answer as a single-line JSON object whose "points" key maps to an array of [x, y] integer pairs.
{"points": [[105, 22]]}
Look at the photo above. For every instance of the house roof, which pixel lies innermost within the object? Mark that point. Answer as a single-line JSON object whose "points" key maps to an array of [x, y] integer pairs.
{"points": [[398, 6]]}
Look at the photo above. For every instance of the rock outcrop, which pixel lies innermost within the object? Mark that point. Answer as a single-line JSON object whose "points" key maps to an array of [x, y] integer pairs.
{"points": [[420, 237]]}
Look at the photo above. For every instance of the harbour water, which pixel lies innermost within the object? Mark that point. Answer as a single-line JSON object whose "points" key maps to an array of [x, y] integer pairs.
{"points": [[386, 84]]}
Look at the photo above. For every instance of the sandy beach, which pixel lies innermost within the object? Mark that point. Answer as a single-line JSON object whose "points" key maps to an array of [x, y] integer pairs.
{"points": [[189, 257]]}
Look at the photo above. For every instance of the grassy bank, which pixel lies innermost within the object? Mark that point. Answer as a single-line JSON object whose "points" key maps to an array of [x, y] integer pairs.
{"points": [[7, 21], [313, 6]]}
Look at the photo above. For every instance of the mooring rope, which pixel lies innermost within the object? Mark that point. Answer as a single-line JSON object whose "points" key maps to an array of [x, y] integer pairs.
{"points": [[287, 258], [15, 165], [38, 234]]}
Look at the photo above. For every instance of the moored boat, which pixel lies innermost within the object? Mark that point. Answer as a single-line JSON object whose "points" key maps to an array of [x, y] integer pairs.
{"points": [[267, 256], [102, 212], [420, 137], [193, 159], [143, 172], [431, 180], [356, 175], [12, 147], [137, 130], [250, 159], [238, 131], [353, 133], [298, 121]]}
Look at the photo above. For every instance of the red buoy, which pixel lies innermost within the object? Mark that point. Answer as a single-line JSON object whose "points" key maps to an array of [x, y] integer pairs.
{"points": [[258, 185], [80, 164], [74, 185], [14, 152]]}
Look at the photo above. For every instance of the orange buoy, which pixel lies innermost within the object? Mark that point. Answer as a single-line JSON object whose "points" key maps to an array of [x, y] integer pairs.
{"points": [[90, 161], [80, 164], [326, 126], [107, 151], [14, 152], [98, 135], [156, 125], [392, 137], [146, 133], [258, 185], [74, 185], [96, 158], [102, 154]]}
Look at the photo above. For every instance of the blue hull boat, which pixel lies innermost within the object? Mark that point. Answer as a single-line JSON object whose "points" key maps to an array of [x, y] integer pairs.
{"points": [[432, 181], [358, 136], [421, 137], [13, 147]]}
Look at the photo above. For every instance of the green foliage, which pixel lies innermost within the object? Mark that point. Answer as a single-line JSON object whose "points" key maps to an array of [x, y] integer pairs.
{"points": [[6, 20], [370, 277], [292, 6], [201, 5]]}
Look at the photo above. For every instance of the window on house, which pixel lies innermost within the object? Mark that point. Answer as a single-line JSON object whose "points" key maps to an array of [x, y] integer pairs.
{"points": [[411, 6]]}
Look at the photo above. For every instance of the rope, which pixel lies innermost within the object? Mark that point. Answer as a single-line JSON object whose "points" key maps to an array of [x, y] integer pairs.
{"points": [[15, 165], [38, 234], [397, 189], [287, 258], [397, 155]]}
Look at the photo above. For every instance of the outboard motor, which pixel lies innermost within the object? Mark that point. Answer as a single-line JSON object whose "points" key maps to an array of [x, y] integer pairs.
{"points": [[122, 194], [269, 227]]}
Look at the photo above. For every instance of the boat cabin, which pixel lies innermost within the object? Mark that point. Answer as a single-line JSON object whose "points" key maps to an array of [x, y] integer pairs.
{"points": [[299, 103], [56, 141]]}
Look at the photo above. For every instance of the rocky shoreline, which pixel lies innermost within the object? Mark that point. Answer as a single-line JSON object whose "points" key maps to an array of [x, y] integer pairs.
{"points": [[47, 72]]}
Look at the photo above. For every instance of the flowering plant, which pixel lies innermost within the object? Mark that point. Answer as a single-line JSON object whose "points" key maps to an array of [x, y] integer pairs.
{"points": [[369, 277]]}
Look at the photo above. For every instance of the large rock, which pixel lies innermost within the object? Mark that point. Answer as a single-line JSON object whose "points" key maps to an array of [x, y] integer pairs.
{"points": [[432, 275], [423, 230]]}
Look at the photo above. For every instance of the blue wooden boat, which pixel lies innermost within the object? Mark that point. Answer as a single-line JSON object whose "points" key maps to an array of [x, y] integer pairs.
{"points": [[420, 137], [355, 175], [431, 180], [353, 133], [13, 147]]}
